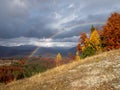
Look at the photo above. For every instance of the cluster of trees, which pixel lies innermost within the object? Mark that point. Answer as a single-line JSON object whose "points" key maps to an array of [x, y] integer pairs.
{"points": [[89, 45], [22, 69], [101, 40], [10, 73], [59, 60]]}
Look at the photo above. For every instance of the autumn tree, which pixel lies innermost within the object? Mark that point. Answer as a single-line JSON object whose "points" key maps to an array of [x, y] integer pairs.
{"points": [[90, 45], [110, 34], [79, 48], [82, 41], [83, 38], [95, 41], [92, 28], [71, 56], [58, 59], [77, 57], [88, 51]]}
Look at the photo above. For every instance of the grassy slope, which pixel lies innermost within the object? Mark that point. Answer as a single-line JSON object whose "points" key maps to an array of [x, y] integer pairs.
{"points": [[99, 72]]}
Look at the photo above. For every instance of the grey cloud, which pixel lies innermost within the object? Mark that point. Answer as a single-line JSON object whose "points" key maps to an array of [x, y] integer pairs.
{"points": [[44, 42], [21, 20], [44, 18]]}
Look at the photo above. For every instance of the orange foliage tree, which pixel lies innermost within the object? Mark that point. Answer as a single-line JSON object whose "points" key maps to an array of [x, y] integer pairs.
{"points": [[83, 38], [110, 34], [82, 41]]}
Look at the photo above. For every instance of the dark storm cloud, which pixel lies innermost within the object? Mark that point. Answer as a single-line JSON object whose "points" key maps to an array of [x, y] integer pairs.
{"points": [[22, 18], [44, 18]]}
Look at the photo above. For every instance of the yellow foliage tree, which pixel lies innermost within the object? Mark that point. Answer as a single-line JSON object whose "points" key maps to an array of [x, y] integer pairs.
{"points": [[77, 56], [95, 41], [86, 42], [83, 48], [58, 59]]}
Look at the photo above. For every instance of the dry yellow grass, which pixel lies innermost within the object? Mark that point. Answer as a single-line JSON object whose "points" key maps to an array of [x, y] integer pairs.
{"points": [[99, 72]]}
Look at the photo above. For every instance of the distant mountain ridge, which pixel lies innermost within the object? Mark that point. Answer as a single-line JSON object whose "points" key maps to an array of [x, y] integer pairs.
{"points": [[28, 49]]}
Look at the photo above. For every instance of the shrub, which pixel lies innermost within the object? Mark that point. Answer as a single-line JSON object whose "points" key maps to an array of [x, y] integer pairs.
{"points": [[33, 69], [9, 73], [88, 51]]}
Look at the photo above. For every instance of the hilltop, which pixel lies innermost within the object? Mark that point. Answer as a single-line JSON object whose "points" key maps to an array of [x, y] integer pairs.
{"points": [[99, 72]]}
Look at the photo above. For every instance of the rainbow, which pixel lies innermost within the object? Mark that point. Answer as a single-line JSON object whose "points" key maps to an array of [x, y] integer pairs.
{"points": [[66, 29]]}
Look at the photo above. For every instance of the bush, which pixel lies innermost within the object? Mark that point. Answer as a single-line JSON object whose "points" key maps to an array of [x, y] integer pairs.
{"points": [[33, 69], [10, 73], [88, 51]]}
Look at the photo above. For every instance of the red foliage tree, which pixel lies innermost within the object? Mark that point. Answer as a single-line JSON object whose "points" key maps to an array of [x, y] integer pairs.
{"points": [[9, 73], [82, 40], [79, 48], [110, 34], [71, 56]]}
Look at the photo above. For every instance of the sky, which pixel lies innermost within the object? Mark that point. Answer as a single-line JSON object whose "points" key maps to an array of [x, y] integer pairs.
{"points": [[50, 23]]}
